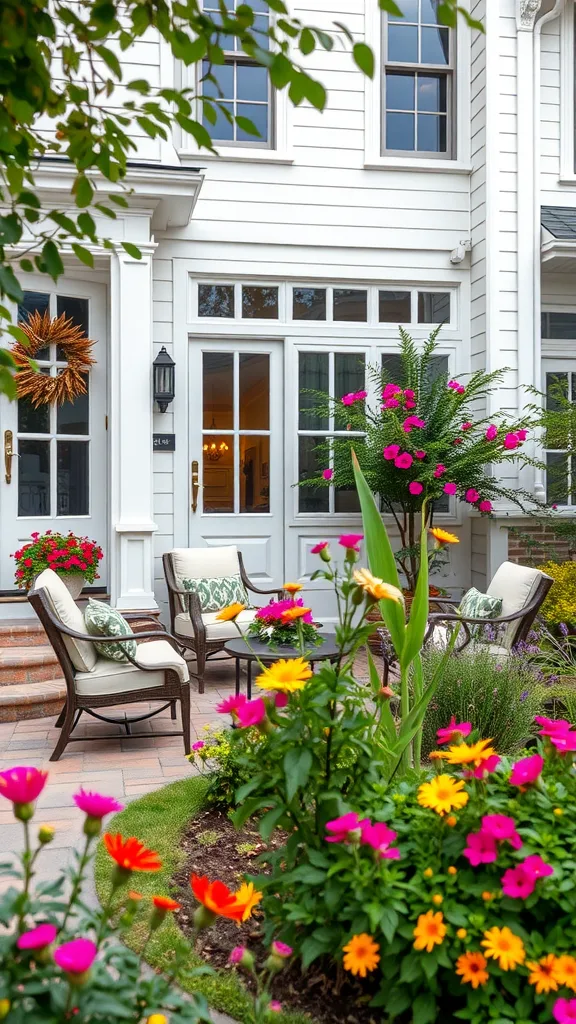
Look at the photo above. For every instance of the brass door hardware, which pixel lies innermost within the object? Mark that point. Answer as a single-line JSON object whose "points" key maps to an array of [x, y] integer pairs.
{"points": [[195, 485], [9, 454]]}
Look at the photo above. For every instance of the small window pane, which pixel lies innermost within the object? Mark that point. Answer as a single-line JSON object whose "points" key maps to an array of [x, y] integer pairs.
{"points": [[309, 303], [254, 392], [409, 10], [251, 83], [34, 478], [429, 12], [223, 129], [258, 114], [33, 302], [349, 373], [311, 463], [72, 478], [431, 93], [392, 369], [218, 390], [216, 300], [223, 85], [350, 304], [218, 474], [403, 43], [431, 133], [559, 326], [437, 366], [435, 46], [557, 478], [346, 499], [254, 474], [394, 307], [312, 376], [260, 27], [75, 308], [400, 90], [433, 307], [557, 436], [400, 131], [259, 303], [72, 417], [33, 421]]}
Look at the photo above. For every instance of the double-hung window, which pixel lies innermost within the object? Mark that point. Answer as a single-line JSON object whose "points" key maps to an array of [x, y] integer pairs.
{"points": [[240, 87], [559, 440], [418, 81]]}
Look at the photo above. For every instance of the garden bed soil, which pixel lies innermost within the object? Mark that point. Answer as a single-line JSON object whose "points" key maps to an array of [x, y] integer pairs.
{"points": [[213, 847]]}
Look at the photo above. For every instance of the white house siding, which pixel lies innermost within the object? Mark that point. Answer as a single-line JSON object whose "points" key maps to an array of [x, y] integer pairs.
{"points": [[163, 462], [550, 188], [478, 152]]}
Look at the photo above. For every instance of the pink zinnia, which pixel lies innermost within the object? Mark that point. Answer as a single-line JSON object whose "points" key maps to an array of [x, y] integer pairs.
{"points": [[281, 949], [403, 461], [453, 384], [409, 404], [77, 956], [419, 455], [236, 954], [391, 403], [511, 441], [342, 827], [198, 745], [466, 426], [517, 883], [95, 805], [38, 938], [471, 495], [409, 393], [349, 399], [537, 867], [491, 433], [486, 768], [391, 451], [454, 731], [230, 705], [327, 474], [412, 421], [460, 390], [379, 837], [565, 743], [280, 699], [440, 469], [481, 848], [319, 547], [390, 390], [275, 1006], [526, 771], [552, 726], [564, 1011], [485, 506], [450, 488], [502, 828], [252, 712], [350, 541], [22, 785], [415, 488], [521, 435]]}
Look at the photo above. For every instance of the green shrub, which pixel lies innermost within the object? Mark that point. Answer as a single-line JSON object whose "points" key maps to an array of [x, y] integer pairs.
{"points": [[223, 764]]}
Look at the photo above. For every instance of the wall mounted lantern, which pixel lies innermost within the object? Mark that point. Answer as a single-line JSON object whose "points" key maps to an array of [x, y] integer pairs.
{"points": [[163, 379]]}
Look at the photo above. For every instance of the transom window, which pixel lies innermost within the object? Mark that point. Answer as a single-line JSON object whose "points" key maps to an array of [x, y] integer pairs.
{"points": [[418, 80], [241, 87], [560, 466], [54, 441]]}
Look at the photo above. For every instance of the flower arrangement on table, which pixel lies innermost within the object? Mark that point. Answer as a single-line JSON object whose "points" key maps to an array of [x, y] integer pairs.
{"points": [[67, 555], [287, 622]]}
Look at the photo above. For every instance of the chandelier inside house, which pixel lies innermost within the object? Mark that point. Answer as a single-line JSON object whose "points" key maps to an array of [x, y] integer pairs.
{"points": [[214, 449]]}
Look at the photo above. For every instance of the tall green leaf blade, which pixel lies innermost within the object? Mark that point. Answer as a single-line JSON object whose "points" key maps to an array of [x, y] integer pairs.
{"points": [[416, 628], [387, 723]]}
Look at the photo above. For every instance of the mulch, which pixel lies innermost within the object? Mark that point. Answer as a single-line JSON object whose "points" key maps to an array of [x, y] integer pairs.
{"points": [[213, 847]]}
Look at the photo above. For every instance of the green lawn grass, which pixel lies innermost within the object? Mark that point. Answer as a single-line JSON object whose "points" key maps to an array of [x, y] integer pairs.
{"points": [[158, 820]]}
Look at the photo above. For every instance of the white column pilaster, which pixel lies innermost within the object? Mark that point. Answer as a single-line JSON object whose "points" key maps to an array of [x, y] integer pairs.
{"points": [[130, 426]]}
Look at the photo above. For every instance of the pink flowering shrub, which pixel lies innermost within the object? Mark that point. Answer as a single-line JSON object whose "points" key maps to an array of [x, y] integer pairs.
{"points": [[272, 625], [64, 554]]}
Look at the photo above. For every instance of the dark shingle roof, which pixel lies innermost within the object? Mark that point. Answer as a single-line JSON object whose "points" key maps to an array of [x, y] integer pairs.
{"points": [[560, 221]]}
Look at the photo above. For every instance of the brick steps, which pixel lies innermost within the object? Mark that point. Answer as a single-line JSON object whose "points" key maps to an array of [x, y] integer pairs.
{"points": [[34, 664], [31, 682], [22, 633], [40, 700]]}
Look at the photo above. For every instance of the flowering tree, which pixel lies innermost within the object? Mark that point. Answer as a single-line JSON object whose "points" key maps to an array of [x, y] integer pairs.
{"points": [[424, 441]]}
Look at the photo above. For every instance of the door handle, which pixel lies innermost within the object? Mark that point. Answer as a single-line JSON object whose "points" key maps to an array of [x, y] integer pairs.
{"points": [[9, 454], [195, 485]]}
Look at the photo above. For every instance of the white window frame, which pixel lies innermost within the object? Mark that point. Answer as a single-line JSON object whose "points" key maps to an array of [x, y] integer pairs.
{"points": [[560, 365], [374, 157]]}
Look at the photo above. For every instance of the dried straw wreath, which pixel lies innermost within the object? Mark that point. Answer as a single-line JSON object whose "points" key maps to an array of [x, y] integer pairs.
{"points": [[40, 388]]}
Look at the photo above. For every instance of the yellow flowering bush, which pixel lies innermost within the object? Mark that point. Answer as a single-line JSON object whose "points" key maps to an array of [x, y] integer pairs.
{"points": [[560, 604]]}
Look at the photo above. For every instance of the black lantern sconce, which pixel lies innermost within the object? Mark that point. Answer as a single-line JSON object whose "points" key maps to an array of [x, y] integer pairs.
{"points": [[163, 379]]}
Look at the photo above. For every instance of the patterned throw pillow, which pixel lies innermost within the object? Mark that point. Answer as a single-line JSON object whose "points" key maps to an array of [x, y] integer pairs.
{"points": [[101, 620], [475, 605], [215, 594]]}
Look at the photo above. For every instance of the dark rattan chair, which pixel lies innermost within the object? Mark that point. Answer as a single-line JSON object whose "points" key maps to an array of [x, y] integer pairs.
{"points": [[198, 631], [123, 683]]}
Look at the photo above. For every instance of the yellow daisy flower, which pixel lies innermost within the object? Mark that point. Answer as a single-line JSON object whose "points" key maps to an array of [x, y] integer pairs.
{"points": [[361, 954], [293, 588], [443, 537], [502, 945], [377, 588], [475, 753], [249, 897], [443, 794], [287, 674], [232, 611], [429, 931], [543, 974]]}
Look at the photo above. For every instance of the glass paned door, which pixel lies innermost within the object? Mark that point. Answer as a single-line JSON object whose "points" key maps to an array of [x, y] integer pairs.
{"points": [[236, 451], [58, 479]]}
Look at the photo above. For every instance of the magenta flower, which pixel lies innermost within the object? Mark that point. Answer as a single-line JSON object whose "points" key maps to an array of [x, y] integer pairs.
{"points": [[252, 712], [517, 883], [319, 547], [522, 434], [275, 1006], [453, 384], [22, 785], [390, 390], [440, 469], [454, 731], [403, 461], [511, 441], [565, 743], [280, 699], [327, 474], [502, 828], [460, 390], [409, 393], [471, 495], [410, 422], [552, 726], [391, 451], [350, 541], [391, 403], [526, 771], [237, 954], [485, 506], [481, 848], [466, 426], [450, 488], [349, 399], [198, 745], [415, 488], [491, 433], [537, 867], [344, 828], [564, 1011], [486, 768], [379, 837], [95, 805], [419, 454], [281, 949], [409, 404], [230, 705], [77, 956], [38, 938]]}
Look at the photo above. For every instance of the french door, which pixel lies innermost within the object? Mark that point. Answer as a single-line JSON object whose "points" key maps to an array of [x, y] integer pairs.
{"points": [[56, 479], [236, 449]]}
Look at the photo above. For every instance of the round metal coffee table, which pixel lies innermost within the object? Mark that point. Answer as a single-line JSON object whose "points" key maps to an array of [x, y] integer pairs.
{"points": [[239, 650]]}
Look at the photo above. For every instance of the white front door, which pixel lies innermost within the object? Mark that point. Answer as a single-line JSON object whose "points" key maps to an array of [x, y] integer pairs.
{"points": [[58, 479], [236, 449]]}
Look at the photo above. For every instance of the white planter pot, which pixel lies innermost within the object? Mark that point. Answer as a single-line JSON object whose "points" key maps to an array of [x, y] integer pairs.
{"points": [[73, 583]]}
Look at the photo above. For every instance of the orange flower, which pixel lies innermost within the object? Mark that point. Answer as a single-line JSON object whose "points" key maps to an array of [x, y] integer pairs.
{"points": [[442, 536], [475, 754], [219, 901], [293, 588], [472, 969], [165, 903], [543, 974], [130, 854], [565, 971], [291, 614], [232, 611], [429, 931]]}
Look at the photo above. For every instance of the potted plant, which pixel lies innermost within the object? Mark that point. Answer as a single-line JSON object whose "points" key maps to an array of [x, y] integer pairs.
{"points": [[285, 623], [75, 559]]}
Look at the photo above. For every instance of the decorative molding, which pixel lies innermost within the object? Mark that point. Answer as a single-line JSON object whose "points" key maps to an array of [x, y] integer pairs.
{"points": [[526, 13]]}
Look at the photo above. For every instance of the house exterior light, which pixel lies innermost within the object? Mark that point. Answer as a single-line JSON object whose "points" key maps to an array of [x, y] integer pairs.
{"points": [[163, 367]]}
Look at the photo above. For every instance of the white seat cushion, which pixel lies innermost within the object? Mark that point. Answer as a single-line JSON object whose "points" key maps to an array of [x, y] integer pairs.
{"points": [[215, 629], [200, 563], [516, 585], [116, 677], [82, 655]]}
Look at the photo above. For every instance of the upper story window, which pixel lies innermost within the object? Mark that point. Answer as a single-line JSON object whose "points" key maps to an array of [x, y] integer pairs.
{"points": [[241, 87], [418, 81]]}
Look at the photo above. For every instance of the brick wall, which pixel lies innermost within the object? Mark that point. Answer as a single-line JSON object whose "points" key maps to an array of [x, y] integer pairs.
{"points": [[534, 543]]}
